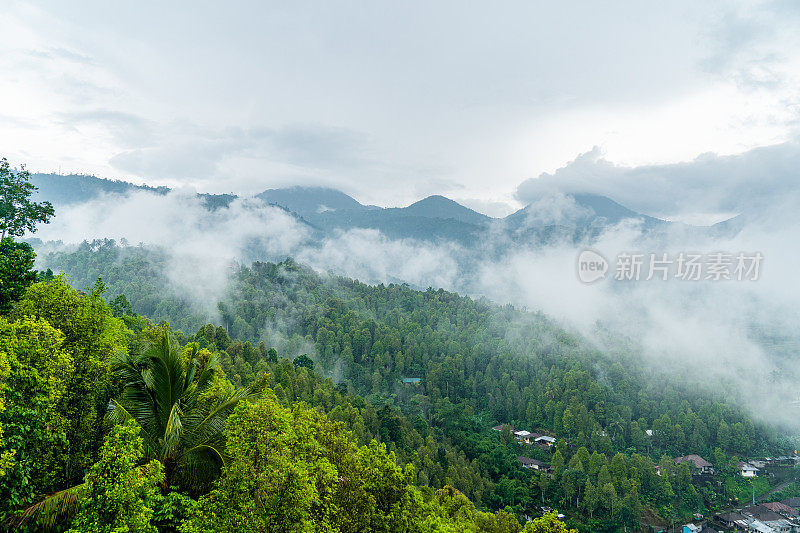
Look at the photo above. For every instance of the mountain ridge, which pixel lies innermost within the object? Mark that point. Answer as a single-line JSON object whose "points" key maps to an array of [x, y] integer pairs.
{"points": [[433, 218]]}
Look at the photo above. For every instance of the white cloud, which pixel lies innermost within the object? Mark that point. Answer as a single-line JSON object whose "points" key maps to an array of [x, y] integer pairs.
{"points": [[388, 100], [748, 182]]}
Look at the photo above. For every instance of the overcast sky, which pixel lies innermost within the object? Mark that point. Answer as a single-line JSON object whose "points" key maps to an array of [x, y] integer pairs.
{"points": [[391, 101]]}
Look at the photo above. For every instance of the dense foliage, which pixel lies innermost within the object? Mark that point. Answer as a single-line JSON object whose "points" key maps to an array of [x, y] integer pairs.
{"points": [[18, 213], [342, 348]]}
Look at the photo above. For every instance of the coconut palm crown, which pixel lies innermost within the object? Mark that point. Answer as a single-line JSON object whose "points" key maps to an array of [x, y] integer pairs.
{"points": [[175, 399]]}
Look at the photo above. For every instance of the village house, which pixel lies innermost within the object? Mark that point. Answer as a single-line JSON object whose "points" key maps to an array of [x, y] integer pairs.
{"points": [[730, 519], [782, 509], [701, 465], [523, 436], [500, 427], [545, 440], [533, 464], [747, 470], [699, 528], [761, 514]]}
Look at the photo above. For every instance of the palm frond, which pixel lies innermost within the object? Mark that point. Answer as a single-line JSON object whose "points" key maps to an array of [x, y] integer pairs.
{"points": [[173, 430], [51, 510]]}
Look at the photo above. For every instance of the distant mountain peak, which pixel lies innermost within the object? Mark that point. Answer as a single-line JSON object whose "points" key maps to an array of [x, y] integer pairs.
{"points": [[438, 206], [310, 201], [575, 210]]}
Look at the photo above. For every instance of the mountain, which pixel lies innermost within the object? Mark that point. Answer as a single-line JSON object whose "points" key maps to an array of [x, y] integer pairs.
{"points": [[311, 201], [79, 188], [438, 206], [575, 211], [72, 189], [435, 218]]}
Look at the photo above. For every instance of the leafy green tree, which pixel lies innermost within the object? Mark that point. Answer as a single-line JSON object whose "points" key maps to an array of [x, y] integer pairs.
{"points": [[168, 396], [120, 306], [304, 361], [115, 494], [591, 498], [544, 482], [37, 372], [723, 435], [170, 509], [6, 454], [17, 212], [549, 523], [298, 471], [91, 335], [16, 272]]}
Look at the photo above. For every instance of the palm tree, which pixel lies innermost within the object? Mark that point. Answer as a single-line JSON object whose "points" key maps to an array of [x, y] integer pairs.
{"points": [[170, 397], [174, 400]]}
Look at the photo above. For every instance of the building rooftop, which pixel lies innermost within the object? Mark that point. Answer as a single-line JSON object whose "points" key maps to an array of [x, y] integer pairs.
{"points": [[529, 461], [765, 514], [780, 508], [698, 461]]}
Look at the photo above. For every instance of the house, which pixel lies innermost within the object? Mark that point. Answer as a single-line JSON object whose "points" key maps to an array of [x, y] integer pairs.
{"points": [[523, 436], [415, 381], [500, 427], [729, 519], [782, 509], [754, 525], [533, 464], [747, 470], [764, 515], [701, 465], [544, 440], [761, 512], [702, 527]]}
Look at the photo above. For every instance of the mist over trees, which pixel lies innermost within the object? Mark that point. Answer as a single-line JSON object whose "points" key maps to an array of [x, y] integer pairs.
{"points": [[309, 402]]}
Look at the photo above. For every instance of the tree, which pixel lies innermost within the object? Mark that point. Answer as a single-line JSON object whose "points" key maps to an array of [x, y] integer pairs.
{"points": [[168, 396], [591, 498], [37, 372], [609, 497], [544, 482], [548, 523], [304, 361], [557, 464], [91, 335], [120, 306], [115, 494], [293, 471], [16, 272], [723, 435], [17, 212]]}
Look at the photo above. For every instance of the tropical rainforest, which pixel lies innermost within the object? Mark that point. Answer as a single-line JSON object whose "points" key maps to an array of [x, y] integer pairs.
{"points": [[304, 401]]}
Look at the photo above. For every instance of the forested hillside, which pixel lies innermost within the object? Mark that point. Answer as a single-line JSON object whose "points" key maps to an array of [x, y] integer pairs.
{"points": [[345, 347]]}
